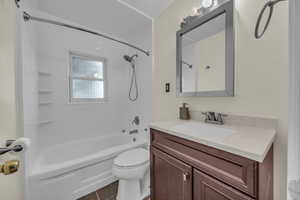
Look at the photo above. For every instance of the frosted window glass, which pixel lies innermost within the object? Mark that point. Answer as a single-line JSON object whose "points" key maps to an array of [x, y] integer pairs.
{"points": [[87, 89], [87, 68], [87, 79]]}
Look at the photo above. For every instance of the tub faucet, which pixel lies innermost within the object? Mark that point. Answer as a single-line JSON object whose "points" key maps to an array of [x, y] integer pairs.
{"points": [[131, 132], [211, 118], [134, 131]]}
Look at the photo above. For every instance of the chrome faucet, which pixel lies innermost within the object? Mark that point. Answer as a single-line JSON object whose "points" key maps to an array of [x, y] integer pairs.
{"points": [[134, 131], [211, 118], [131, 132]]}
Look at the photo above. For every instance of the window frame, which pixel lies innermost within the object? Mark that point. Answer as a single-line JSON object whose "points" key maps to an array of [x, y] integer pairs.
{"points": [[71, 77]]}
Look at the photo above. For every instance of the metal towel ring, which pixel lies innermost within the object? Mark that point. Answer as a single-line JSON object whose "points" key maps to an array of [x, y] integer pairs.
{"points": [[270, 5]]}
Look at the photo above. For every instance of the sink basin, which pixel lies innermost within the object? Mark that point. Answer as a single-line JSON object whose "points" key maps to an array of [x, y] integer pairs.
{"points": [[197, 129]]}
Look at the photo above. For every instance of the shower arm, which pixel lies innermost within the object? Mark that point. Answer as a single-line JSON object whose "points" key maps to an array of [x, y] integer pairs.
{"points": [[28, 17]]}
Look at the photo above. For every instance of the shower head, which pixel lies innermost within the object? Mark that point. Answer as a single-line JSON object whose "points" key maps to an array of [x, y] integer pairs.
{"points": [[130, 58]]}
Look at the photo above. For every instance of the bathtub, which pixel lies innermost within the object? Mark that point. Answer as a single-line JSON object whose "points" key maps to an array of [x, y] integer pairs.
{"points": [[75, 169]]}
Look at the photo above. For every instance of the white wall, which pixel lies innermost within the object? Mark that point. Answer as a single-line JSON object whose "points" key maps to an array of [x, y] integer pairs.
{"points": [[144, 107], [212, 51], [10, 186], [189, 75], [261, 73], [294, 114], [29, 87]]}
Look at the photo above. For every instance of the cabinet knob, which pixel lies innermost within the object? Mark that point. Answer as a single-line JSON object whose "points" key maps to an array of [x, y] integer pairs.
{"points": [[186, 176]]}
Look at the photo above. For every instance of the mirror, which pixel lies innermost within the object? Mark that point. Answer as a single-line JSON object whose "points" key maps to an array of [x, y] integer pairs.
{"points": [[205, 55]]}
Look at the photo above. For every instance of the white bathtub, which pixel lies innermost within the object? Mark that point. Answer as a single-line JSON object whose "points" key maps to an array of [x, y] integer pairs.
{"points": [[72, 170]]}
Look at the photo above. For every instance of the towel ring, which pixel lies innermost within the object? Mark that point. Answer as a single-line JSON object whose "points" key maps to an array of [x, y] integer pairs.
{"points": [[270, 5]]}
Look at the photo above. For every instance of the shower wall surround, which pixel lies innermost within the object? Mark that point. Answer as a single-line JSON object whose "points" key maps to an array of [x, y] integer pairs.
{"points": [[49, 118], [261, 73]]}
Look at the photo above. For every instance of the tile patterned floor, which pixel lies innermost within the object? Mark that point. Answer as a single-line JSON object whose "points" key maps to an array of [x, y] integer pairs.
{"points": [[107, 193]]}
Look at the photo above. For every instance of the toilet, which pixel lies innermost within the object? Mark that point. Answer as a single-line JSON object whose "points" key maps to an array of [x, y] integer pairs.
{"points": [[132, 168]]}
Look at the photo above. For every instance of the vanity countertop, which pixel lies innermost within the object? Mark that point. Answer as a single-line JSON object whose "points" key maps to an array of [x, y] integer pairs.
{"points": [[246, 141]]}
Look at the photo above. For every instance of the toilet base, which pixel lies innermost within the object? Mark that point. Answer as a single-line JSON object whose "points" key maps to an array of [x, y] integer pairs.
{"points": [[129, 190]]}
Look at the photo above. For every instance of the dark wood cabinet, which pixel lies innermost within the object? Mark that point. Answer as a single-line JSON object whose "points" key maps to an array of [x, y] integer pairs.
{"points": [[208, 188], [186, 170], [172, 179]]}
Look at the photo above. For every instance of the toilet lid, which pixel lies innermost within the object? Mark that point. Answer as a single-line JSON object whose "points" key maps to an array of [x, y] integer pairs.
{"points": [[132, 158]]}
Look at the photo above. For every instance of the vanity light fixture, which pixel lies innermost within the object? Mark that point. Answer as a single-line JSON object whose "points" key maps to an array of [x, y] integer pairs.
{"points": [[207, 3], [206, 6]]}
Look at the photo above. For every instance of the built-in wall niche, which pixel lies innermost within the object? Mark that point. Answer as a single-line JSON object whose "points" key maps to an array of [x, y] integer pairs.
{"points": [[46, 115], [45, 98], [45, 88], [44, 72], [45, 82]]}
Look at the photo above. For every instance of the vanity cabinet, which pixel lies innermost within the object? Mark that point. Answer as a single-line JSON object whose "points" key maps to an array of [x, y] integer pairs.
{"points": [[173, 178], [208, 188], [185, 170]]}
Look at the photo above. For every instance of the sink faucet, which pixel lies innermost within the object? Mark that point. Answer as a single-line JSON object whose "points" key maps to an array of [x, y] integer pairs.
{"points": [[211, 118]]}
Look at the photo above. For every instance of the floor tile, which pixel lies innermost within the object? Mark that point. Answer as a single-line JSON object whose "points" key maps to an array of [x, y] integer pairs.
{"points": [[91, 196], [109, 192]]}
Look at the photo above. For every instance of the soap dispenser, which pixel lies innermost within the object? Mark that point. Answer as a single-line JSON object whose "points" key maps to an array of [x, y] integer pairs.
{"points": [[184, 113]]}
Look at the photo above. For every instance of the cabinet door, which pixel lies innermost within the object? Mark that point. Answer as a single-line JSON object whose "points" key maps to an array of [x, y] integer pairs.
{"points": [[208, 188], [171, 179]]}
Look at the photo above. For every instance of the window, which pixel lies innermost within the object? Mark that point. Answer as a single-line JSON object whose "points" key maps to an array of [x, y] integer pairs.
{"points": [[87, 78]]}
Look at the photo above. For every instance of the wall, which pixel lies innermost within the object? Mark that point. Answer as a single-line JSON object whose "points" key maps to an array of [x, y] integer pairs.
{"points": [[28, 69], [294, 114], [261, 73], [212, 51], [143, 105], [10, 186]]}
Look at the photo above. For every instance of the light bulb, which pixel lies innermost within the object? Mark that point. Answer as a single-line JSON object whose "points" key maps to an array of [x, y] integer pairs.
{"points": [[207, 3], [195, 11]]}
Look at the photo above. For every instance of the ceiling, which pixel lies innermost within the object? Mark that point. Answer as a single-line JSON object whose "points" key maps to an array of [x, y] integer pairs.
{"points": [[151, 8], [114, 17]]}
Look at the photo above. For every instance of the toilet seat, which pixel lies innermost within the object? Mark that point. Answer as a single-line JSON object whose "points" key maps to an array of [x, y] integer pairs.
{"points": [[132, 158]]}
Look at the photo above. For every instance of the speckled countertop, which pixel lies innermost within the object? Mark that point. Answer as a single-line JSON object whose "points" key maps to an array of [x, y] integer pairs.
{"points": [[246, 141]]}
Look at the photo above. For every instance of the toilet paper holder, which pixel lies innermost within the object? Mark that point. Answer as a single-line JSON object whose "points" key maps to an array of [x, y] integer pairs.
{"points": [[9, 147]]}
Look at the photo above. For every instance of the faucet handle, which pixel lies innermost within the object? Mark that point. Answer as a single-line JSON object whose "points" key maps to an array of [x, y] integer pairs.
{"points": [[212, 116], [220, 117], [206, 115], [209, 116]]}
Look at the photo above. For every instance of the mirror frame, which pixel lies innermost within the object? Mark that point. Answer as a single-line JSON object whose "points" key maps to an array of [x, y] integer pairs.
{"points": [[228, 9]]}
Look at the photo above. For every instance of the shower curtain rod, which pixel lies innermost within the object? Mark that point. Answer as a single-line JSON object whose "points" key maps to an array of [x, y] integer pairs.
{"points": [[28, 17]]}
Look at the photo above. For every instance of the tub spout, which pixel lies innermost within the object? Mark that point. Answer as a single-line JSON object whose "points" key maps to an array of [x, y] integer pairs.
{"points": [[135, 131]]}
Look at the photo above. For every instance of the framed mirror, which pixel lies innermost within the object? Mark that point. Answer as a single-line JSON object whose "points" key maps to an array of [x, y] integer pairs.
{"points": [[205, 54]]}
